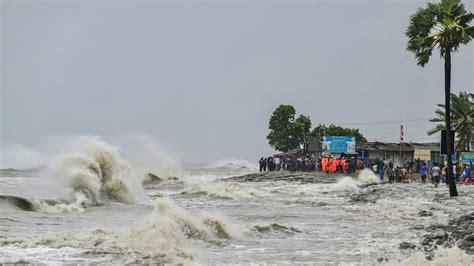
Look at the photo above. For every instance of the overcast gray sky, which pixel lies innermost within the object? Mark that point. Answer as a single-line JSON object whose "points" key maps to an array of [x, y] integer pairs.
{"points": [[204, 77]]}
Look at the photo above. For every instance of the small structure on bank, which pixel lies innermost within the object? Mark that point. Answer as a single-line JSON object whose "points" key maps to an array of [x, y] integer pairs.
{"points": [[429, 152]]}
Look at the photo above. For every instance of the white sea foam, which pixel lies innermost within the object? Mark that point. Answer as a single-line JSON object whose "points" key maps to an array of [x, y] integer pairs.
{"points": [[80, 200], [442, 257], [98, 171], [233, 164], [291, 188], [367, 176], [346, 184], [229, 190], [164, 237], [195, 225], [148, 155]]}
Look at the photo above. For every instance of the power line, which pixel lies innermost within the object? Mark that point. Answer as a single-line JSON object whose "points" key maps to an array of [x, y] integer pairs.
{"points": [[385, 122]]}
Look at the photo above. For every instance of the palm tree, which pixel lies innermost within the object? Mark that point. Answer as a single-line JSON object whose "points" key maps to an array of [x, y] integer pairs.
{"points": [[462, 119], [444, 25]]}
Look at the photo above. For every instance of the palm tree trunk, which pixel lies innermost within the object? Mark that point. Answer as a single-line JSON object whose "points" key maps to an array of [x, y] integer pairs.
{"points": [[447, 99], [468, 145]]}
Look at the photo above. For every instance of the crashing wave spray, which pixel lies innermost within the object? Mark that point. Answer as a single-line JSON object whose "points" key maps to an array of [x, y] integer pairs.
{"points": [[347, 184], [150, 159], [99, 172], [200, 226], [164, 237], [367, 176], [233, 164], [228, 190]]}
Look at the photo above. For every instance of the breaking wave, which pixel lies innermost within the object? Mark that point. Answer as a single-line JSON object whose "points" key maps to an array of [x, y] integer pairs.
{"points": [[228, 190], [96, 174], [367, 176], [151, 178], [202, 226], [47, 206], [232, 164], [348, 184], [99, 173], [162, 238]]}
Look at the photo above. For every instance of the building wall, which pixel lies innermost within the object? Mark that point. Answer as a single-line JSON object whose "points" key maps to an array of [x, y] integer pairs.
{"points": [[393, 156], [425, 151]]}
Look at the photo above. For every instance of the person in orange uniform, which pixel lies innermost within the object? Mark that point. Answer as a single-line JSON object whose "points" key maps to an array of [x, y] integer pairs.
{"points": [[344, 164], [329, 166], [324, 164], [333, 166], [339, 164]]}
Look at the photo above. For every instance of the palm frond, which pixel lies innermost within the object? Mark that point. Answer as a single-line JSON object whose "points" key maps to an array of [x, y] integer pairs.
{"points": [[462, 117], [444, 25], [436, 129]]}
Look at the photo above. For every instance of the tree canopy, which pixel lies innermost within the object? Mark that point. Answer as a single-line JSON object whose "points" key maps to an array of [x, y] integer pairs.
{"points": [[333, 130], [462, 118], [444, 25], [286, 132]]}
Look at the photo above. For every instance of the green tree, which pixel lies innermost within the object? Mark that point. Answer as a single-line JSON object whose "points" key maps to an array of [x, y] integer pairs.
{"points": [[303, 128], [286, 132], [333, 130], [444, 25], [462, 119]]}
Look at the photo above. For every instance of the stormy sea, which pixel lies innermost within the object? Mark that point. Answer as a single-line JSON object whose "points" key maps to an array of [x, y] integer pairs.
{"points": [[91, 206]]}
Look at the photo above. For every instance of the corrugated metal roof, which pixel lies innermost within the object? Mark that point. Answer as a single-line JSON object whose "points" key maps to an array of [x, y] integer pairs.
{"points": [[390, 146]]}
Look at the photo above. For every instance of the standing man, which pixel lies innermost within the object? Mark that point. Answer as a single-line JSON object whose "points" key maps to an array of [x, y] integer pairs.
{"points": [[397, 174], [381, 169], [382, 172], [435, 174], [261, 164], [277, 163], [424, 173], [391, 175]]}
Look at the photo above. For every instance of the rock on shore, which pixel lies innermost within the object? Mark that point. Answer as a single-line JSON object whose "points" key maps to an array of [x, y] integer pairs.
{"points": [[459, 232], [302, 177]]}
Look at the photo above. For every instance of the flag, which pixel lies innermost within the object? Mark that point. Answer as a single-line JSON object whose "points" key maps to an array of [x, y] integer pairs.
{"points": [[401, 133]]}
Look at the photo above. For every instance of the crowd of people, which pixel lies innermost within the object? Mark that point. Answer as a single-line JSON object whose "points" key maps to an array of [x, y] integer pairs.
{"points": [[296, 163], [381, 167], [327, 164], [462, 173]]}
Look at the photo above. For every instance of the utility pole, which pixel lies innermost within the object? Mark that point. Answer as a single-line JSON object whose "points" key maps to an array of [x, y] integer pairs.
{"points": [[401, 140]]}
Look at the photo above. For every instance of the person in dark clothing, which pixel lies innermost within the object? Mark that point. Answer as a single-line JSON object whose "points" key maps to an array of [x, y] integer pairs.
{"points": [[424, 173], [352, 165], [397, 174], [290, 165], [261, 163], [270, 164], [410, 167], [381, 169], [391, 175]]}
